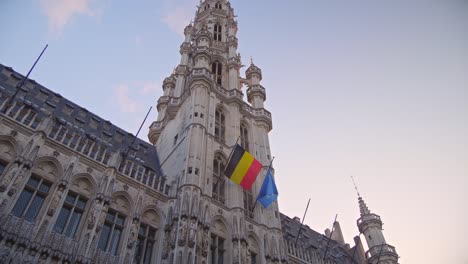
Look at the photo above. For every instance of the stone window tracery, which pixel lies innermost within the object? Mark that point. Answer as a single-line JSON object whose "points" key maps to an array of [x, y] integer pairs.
{"points": [[217, 32], [220, 124], [217, 249], [111, 232], [248, 203], [145, 244], [244, 135], [219, 164], [31, 199], [70, 215], [217, 70]]}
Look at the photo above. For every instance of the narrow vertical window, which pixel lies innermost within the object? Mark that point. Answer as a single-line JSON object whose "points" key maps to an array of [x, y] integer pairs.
{"points": [[218, 6], [244, 135], [219, 164], [2, 167], [70, 215], [145, 244], [220, 125], [217, 32], [217, 70], [111, 232], [248, 204], [217, 249], [31, 199]]}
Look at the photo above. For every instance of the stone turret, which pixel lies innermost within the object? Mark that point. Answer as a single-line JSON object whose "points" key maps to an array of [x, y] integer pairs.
{"points": [[370, 225]]}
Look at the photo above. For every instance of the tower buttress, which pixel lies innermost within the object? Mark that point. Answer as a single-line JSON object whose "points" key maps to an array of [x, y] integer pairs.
{"points": [[370, 225]]}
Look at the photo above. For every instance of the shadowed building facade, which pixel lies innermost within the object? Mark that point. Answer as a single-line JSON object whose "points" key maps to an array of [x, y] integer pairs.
{"points": [[75, 188]]}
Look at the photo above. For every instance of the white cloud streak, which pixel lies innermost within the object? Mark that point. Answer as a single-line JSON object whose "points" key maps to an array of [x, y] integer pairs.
{"points": [[178, 14], [125, 103], [61, 12]]}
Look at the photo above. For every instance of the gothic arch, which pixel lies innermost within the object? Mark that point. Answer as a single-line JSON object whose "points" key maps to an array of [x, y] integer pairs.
{"points": [[221, 154], [153, 211], [219, 223], [48, 167], [84, 183], [9, 148], [122, 202]]}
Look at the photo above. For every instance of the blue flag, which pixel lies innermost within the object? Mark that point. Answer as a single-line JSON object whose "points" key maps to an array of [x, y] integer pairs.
{"points": [[268, 193]]}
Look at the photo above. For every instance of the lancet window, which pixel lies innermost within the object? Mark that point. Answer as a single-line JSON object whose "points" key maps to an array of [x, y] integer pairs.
{"points": [[111, 232], [220, 125], [248, 204], [219, 164], [145, 245], [217, 32], [217, 70], [218, 6], [217, 249], [70, 215], [31, 198], [244, 136]]}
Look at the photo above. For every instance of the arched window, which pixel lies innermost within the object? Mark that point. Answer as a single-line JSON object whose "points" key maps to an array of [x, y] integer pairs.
{"points": [[2, 166], [217, 32], [70, 215], [220, 124], [145, 249], [114, 224], [217, 70], [31, 198], [111, 232], [219, 163], [218, 243], [207, 7], [218, 6], [248, 204], [74, 206], [244, 135]]}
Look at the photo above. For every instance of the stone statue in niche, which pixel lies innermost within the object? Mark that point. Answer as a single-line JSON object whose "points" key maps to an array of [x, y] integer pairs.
{"points": [[19, 179], [206, 242], [183, 231], [8, 176], [172, 237], [244, 252], [95, 209], [192, 232], [166, 245]]}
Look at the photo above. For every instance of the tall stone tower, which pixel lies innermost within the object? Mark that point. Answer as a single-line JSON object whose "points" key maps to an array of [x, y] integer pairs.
{"points": [[201, 115], [370, 225]]}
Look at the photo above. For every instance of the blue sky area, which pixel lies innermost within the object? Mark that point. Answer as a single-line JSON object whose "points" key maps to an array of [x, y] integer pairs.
{"points": [[374, 89]]}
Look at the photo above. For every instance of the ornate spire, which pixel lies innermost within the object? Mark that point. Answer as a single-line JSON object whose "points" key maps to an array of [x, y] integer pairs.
{"points": [[363, 207]]}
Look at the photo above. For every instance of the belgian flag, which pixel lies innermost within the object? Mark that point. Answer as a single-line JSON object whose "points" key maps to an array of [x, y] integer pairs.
{"points": [[242, 168]]}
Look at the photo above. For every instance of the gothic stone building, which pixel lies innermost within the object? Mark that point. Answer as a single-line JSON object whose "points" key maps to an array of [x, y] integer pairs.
{"points": [[75, 188]]}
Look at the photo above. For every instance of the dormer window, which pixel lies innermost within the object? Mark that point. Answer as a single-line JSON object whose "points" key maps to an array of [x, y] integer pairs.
{"points": [[217, 70], [217, 32], [218, 6]]}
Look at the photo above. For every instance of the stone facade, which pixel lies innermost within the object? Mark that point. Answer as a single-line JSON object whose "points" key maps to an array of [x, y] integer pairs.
{"points": [[75, 188]]}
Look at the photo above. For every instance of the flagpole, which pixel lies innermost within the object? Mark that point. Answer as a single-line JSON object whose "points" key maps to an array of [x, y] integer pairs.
{"points": [[256, 200], [302, 223], [329, 239], [18, 87], [230, 156]]}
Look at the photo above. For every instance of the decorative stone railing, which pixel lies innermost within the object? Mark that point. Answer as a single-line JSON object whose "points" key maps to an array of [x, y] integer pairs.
{"points": [[380, 249], [105, 257], [368, 217]]}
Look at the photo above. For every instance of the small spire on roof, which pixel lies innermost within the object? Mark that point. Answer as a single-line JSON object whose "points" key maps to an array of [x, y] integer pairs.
{"points": [[251, 60]]}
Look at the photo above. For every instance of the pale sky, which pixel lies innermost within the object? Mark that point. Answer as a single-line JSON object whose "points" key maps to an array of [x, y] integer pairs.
{"points": [[371, 88]]}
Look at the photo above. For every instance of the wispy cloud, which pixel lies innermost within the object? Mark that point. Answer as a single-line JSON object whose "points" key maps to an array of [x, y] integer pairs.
{"points": [[129, 96], [61, 12], [178, 14], [125, 103]]}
